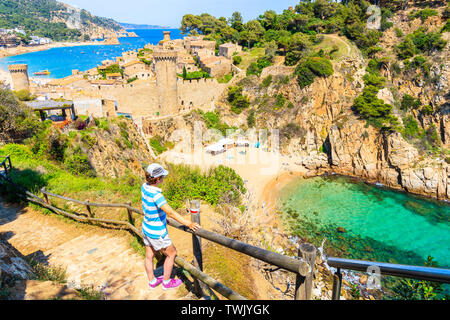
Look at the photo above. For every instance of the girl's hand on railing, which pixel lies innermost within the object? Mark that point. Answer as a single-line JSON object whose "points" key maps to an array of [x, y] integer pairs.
{"points": [[194, 226]]}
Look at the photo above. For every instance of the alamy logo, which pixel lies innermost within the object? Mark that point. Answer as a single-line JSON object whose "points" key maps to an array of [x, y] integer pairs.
{"points": [[374, 280], [374, 21], [74, 20]]}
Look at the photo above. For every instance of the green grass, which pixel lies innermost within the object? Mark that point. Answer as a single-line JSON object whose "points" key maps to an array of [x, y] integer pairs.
{"points": [[230, 268], [43, 272], [226, 78], [337, 47], [251, 56], [34, 172]]}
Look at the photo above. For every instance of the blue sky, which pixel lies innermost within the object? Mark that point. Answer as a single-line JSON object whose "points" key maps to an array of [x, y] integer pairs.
{"points": [[170, 12]]}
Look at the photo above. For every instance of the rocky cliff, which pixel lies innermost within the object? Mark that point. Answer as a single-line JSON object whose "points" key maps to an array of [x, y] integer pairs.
{"points": [[321, 131], [114, 147]]}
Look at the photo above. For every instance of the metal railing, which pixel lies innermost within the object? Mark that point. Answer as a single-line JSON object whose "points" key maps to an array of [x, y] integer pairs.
{"points": [[388, 269]]}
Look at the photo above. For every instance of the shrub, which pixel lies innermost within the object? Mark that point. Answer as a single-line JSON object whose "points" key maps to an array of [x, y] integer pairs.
{"points": [[251, 119], [24, 95], [408, 102], [237, 100], [427, 42], [79, 124], [280, 101], [237, 60], [49, 143], [305, 76], [406, 49], [374, 110], [212, 121], [409, 289], [419, 40], [267, 81], [78, 164], [220, 184], [322, 67], [130, 80], [374, 79], [411, 128], [156, 144], [256, 68], [114, 68], [17, 122], [427, 110], [312, 67], [196, 75], [424, 14]]}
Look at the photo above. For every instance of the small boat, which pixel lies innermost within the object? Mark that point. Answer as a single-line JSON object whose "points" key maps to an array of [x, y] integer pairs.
{"points": [[82, 52], [42, 73]]}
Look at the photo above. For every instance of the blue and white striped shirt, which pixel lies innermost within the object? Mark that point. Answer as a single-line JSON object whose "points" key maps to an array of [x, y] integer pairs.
{"points": [[154, 225]]}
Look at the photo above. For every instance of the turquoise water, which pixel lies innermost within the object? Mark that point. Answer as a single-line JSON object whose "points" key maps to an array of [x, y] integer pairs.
{"points": [[380, 224], [61, 61]]}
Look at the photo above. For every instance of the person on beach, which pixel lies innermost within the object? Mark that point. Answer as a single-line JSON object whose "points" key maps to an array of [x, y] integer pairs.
{"points": [[154, 227]]}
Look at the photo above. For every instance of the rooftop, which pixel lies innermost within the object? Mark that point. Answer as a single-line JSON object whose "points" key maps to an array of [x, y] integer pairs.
{"points": [[49, 104]]}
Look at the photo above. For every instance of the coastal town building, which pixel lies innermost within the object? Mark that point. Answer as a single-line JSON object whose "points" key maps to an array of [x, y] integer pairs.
{"points": [[187, 41], [197, 45], [136, 68], [215, 66], [144, 91]]}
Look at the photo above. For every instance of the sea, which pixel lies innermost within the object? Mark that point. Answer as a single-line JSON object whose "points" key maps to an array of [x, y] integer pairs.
{"points": [[367, 222], [61, 61]]}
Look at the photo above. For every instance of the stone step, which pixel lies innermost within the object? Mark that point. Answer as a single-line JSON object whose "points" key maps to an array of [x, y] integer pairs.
{"points": [[89, 257]]}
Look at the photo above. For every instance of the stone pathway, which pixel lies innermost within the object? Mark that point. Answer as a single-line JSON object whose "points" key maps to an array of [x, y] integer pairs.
{"points": [[90, 255]]}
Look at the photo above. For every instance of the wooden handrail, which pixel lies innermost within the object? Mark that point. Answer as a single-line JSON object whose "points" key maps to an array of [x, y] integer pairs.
{"points": [[93, 204], [276, 259], [205, 278]]}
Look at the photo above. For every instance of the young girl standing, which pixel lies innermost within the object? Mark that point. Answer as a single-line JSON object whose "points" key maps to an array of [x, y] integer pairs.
{"points": [[154, 227]]}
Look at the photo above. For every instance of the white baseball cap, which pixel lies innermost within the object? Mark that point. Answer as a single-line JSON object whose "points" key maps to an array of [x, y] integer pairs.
{"points": [[156, 170]]}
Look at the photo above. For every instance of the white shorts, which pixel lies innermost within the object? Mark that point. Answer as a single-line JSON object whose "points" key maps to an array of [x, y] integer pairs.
{"points": [[157, 244]]}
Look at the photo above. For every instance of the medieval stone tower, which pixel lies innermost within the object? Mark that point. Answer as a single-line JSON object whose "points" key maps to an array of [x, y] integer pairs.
{"points": [[166, 35], [166, 81], [19, 76]]}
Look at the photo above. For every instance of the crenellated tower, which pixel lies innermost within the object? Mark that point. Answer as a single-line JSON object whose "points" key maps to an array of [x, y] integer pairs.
{"points": [[19, 76], [166, 81]]}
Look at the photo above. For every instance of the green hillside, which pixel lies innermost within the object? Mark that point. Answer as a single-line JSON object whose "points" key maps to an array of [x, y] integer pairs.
{"points": [[46, 18]]}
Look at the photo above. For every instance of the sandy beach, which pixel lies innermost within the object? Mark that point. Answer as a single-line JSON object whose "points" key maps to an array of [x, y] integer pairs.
{"points": [[4, 74], [22, 50], [263, 178]]}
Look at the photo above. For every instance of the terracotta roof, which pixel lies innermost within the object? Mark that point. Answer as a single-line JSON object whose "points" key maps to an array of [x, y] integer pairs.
{"points": [[200, 43], [65, 81], [110, 81], [132, 63], [228, 45], [116, 74]]}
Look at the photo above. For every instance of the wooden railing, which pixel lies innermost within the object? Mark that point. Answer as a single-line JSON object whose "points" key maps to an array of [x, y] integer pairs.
{"points": [[302, 268]]}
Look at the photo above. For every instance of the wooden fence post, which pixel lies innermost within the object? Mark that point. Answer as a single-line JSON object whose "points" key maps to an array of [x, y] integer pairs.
{"points": [[130, 215], [197, 250], [89, 209], [303, 287], [45, 195]]}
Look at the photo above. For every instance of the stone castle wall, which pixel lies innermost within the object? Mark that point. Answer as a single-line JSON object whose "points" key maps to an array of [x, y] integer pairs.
{"points": [[198, 93]]}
